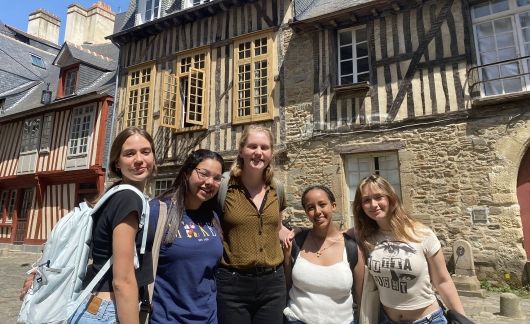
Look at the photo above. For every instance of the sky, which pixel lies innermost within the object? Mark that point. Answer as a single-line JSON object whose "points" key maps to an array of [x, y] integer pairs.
{"points": [[15, 12]]}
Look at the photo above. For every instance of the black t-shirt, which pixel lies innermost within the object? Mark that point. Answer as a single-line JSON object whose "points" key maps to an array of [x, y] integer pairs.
{"points": [[112, 213]]}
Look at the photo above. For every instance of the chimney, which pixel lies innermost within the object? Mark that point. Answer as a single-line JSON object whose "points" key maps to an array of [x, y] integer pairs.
{"points": [[89, 26], [44, 25]]}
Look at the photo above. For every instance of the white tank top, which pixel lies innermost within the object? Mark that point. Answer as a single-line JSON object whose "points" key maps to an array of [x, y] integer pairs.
{"points": [[321, 294]]}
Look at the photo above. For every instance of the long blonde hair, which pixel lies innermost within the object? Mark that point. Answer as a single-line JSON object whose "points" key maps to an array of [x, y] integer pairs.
{"points": [[237, 168], [403, 226]]}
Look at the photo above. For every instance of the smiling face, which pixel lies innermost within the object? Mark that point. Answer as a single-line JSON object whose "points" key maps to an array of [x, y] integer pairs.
{"points": [[136, 161], [375, 204], [256, 152], [203, 182], [318, 207]]}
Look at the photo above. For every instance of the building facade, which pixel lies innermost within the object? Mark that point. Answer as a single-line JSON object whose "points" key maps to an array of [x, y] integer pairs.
{"points": [[429, 94], [56, 109]]}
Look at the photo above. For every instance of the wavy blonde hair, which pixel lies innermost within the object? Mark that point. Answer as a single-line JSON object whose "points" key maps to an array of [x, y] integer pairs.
{"points": [[403, 226], [237, 168]]}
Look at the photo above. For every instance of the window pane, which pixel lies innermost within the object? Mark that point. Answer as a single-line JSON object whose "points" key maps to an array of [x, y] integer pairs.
{"points": [[512, 85], [509, 69], [521, 3], [486, 44], [502, 25], [346, 52], [345, 38], [507, 54], [485, 29], [499, 5], [489, 57], [346, 67], [360, 35], [481, 10], [362, 49], [362, 65]]}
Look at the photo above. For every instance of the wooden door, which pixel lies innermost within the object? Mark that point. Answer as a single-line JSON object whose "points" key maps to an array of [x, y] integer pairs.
{"points": [[523, 196], [22, 216]]}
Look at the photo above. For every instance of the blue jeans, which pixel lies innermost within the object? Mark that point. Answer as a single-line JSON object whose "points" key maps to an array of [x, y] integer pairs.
{"points": [[244, 298], [106, 314], [436, 317]]}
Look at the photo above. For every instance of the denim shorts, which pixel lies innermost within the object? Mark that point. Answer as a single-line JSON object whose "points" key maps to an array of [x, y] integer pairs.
{"points": [[106, 313], [436, 317]]}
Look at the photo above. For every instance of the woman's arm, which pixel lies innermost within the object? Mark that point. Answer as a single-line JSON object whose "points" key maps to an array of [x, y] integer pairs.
{"points": [[441, 279], [358, 276], [124, 278]]}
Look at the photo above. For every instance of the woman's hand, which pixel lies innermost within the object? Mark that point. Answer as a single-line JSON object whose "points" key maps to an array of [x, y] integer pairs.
{"points": [[27, 285], [286, 236]]}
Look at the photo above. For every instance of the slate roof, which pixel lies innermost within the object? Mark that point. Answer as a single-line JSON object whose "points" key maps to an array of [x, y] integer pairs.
{"points": [[103, 56], [21, 83], [310, 9]]}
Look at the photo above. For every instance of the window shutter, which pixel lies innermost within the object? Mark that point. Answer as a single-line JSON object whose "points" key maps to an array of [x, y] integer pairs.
{"points": [[195, 105]]}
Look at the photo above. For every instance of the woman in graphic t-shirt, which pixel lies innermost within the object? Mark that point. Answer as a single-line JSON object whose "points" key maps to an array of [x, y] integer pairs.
{"points": [[185, 288], [403, 255]]}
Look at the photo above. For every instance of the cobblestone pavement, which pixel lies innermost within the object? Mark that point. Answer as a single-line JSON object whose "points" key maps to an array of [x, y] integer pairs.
{"points": [[14, 265]]}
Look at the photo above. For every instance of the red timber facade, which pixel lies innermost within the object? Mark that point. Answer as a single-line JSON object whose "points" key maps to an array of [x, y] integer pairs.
{"points": [[54, 133], [33, 201]]}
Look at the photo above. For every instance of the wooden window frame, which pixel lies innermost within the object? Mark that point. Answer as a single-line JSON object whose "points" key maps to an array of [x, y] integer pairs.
{"points": [[355, 58], [90, 112], [173, 113], [8, 205], [32, 138], [254, 58], [46, 133], [136, 82]]}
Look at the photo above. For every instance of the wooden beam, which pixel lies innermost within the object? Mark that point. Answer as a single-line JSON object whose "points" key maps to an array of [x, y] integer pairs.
{"points": [[223, 6], [333, 23], [353, 18], [375, 13], [395, 6], [263, 13]]}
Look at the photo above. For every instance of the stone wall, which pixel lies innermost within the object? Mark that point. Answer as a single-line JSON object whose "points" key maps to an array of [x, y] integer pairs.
{"points": [[450, 165]]}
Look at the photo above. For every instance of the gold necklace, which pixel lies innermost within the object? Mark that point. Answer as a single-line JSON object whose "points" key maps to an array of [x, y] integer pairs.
{"points": [[320, 251]]}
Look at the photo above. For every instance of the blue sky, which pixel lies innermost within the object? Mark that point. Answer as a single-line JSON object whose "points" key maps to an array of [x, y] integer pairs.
{"points": [[15, 12]]}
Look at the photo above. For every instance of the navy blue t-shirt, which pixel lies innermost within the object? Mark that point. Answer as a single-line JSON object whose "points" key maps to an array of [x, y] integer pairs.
{"points": [[185, 289]]}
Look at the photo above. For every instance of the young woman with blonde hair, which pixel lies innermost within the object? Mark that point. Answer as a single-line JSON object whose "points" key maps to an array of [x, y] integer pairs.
{"points": [[250, 280], [403, 255]]}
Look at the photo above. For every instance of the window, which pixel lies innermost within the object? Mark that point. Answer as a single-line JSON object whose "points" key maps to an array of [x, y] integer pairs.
{"points": [[358, 166], [185, 93], [152, 9], [8, 199], [253, 79], [502, 37], [80, 130], [139, 104], [192, 3], [353, 56], [37, 61], [162, 185], [46, 134], [2, 103], [30, 135], [69, 82]]}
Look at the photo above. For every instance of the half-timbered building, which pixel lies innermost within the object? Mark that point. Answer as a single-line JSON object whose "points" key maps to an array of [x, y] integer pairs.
{"points": [[55, 113], [430, 94], [194, 73]]}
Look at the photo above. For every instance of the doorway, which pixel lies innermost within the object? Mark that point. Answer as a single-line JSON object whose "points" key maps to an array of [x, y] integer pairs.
{"points": [[523, 197]]}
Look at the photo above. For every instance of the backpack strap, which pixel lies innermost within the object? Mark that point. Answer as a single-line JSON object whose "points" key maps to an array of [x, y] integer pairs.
{"points": [[223, 188], [147, 292], [299, 240], [351, 249]]}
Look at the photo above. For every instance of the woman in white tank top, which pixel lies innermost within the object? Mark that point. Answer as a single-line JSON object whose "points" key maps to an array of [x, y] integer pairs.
{"points": [[321, 279]]}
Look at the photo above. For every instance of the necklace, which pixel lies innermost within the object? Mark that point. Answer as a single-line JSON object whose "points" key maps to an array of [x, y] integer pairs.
{"points": [[320, 251]]}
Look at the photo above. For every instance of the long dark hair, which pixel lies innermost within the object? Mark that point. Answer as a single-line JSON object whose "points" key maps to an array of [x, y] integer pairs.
{"points": [[179, 188]]}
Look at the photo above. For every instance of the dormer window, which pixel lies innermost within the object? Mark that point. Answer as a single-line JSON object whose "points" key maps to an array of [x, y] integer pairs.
{"points": [[68, 82], [37, 61], [193, 3], [152, 9]]}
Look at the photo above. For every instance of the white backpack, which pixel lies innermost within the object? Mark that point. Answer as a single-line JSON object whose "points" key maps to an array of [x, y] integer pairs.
{"points": [[55, 293]]}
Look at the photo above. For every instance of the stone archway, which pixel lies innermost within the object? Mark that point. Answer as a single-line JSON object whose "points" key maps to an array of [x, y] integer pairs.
{"points": [[523, 197]]}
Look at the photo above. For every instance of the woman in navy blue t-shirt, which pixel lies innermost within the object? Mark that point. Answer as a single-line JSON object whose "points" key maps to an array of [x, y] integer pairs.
{"points": [[185, 289]]}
